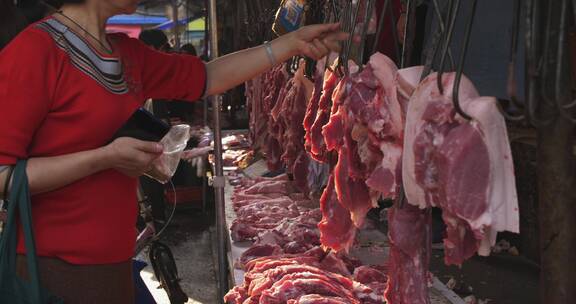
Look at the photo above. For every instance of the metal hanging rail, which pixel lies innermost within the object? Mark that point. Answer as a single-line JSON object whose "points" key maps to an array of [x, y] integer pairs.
{"points": [[219, 180]]}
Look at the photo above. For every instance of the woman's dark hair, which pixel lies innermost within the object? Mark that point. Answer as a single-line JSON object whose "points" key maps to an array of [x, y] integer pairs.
{"points": [[12, 21], [154, 38], [189, 49]]}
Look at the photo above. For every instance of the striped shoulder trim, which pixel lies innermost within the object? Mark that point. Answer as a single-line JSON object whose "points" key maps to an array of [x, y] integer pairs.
{"points": [[107, 72]]}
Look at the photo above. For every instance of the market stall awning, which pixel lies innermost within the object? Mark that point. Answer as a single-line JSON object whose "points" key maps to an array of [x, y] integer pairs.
{"points": [[170, 24], [136, 19], [197, 25]]}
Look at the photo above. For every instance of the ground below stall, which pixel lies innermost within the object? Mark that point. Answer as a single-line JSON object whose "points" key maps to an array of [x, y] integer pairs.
{"points": [[499, 279], [189, 238]]}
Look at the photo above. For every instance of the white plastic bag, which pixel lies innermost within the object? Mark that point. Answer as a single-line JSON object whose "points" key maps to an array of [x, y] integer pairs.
{"points": [[164, 167]]}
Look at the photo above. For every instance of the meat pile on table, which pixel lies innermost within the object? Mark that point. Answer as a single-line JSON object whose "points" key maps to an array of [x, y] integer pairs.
{"points": [[286, 264]]}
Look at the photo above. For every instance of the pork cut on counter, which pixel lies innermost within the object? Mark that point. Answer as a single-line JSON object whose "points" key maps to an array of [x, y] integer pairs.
{"points": [[464, 167], [300, 278]]}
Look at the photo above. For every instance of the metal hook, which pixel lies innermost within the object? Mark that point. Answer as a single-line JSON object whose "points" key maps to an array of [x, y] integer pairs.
{"points": [[351, 38], [574, 9], [460, 67], [560, 66], [368, 15], [442, 27], [513, 55], [453, 14], [405, 47], [397, 50], [344, 21], [533, 40], [435, 45], [507, 116], [335, 10], [381, 26], [546, 96]]}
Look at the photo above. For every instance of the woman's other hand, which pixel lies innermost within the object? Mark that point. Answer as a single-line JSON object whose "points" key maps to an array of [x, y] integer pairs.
{"points": [[131, 156], [317, 41]]}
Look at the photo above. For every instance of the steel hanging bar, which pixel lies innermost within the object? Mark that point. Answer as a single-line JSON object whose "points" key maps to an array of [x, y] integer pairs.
{"points": [[219, 180]]}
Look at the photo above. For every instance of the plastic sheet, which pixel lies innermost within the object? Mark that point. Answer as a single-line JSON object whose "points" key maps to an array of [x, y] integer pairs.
{"points": [[164, 167]]}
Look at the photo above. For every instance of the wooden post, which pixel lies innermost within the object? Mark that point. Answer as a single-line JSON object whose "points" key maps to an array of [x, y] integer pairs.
{"points": [[557, 201], [556, 160]]}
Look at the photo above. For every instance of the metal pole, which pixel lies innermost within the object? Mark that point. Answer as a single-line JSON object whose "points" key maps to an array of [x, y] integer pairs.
{"points": [[206, 52], [176, 24], [219, 174]]}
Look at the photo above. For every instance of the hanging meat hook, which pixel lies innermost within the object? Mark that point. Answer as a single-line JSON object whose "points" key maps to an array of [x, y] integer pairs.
{"points": [[453, 13], [573, 103], [407, 41], [460, 67], [381, 26], [369, 9], [533, 41], [561, 69], [394, 27], [511, 87], [335, 11], [436, 44], [442, 27], [350, 41], [344, 21], [547, 96]]}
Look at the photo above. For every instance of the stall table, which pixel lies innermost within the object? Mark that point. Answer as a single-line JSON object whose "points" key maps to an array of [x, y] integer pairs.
{"points": [[373, 249]]}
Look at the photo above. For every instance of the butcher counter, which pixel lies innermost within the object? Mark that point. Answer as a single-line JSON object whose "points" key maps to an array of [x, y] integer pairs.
{"points": [[372, 247]]}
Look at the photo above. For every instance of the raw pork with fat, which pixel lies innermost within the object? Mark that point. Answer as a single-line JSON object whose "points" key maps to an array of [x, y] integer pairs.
{"points": [[464, 167]]}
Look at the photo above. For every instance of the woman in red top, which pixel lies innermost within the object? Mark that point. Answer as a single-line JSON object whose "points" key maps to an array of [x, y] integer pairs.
{"points": [[65, 87]]}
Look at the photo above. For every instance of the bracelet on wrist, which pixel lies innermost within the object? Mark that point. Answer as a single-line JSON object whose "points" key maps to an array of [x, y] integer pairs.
{"points": [[270, 53]]}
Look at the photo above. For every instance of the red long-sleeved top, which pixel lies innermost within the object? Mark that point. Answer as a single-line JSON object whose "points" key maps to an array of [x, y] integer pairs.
{"points": [[58, 95]]}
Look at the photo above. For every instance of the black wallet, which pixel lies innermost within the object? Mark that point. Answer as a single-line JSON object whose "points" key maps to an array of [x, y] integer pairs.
{"points": [[144, 126]]}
